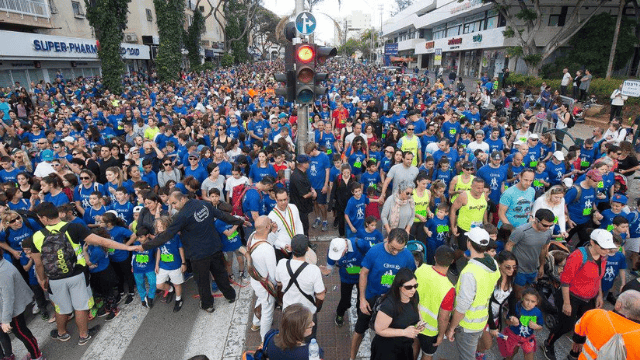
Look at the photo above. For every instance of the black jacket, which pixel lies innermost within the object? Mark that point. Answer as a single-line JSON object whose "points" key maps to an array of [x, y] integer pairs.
{"points": [[299, 186], [195, 222]]}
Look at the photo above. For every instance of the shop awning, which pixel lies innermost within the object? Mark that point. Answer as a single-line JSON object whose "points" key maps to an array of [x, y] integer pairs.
{"points": [[401, 59]]}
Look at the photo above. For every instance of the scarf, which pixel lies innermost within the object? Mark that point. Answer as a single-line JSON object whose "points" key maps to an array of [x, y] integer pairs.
{"points": [[394, 216]]}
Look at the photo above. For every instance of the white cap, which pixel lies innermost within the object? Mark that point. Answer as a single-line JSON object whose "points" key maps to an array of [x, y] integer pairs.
{"points": [[603, 238], [337, 248], [478, 235], [559, 155], [112, 212], [137, 209], [534, 136], [517, 142], [568, 182], [69, 139]]}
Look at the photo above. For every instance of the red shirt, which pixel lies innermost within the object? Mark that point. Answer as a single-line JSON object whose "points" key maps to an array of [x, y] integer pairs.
{"points": [[583, 280], [449, 299], [340, 118]]}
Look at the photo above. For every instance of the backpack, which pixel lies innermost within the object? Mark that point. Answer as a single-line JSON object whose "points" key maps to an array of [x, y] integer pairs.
{"points": [[237, 196], [58, 255], [261, 352], [572, 121], [615, 347], [374, 311], [251, 270], [578, 192]]}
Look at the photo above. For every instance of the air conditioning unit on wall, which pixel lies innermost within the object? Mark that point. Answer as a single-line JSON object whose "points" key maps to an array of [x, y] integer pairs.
{"points": [[130, 38]]}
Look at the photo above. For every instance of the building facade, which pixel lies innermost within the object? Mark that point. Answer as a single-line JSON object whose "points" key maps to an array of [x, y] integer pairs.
{"points": [[40, 39], [467, 36], [353, 25]]}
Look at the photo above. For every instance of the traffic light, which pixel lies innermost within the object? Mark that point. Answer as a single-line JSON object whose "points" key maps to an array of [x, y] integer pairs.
{"points": [[305, 57], [323, 53], [289, 90]]}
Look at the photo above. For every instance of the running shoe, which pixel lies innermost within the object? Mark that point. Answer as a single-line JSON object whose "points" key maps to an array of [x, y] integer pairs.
{"points": [[129, 299], [339, 320], [169, 296], [103, 312], [549, 351], [149, 302], [316, 223], [188, 276], [178, 305], [64, 337], [44, 315], [91, 333], [481, 356], [112, 314], [254, 328], [324, 226], [210, 309], [35, 309], [144, 304]]}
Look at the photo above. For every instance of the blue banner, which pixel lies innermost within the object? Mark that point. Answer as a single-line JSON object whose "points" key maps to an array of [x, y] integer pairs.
{"points": [[391, 49]]}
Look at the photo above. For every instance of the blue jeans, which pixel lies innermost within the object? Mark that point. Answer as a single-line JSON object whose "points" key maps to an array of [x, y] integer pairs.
{"points": [[142, 290]]}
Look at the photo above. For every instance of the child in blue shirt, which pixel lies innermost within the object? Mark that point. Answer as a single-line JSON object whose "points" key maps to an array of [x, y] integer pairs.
{"points": [[374, 152], [371, 178], [540, 178], [170, 265], [370, 234], [143, 263], [103, 277], [520, 333], [355, 210], [123, 206], [617, 203], [231, 242], [616, 261], [92, 215], [120, 259], [437, 230], [443, 172]]}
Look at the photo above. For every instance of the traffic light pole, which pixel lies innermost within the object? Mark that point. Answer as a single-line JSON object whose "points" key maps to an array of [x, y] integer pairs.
{"points": [[303, 128]]}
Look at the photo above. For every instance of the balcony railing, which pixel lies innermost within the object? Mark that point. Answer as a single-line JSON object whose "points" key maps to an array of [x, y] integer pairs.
{"points": [[26, 7]]}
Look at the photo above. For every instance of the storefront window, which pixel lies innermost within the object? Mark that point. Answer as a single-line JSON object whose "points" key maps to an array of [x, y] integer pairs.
{"points": [[35, 75], [21, 76]]}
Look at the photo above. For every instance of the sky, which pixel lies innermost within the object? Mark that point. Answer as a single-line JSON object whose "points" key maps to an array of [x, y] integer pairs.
{"points": [[325, 28]]}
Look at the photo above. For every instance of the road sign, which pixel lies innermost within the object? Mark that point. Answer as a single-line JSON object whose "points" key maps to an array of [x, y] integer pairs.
{"points": [[631, 88], [305, 23]]}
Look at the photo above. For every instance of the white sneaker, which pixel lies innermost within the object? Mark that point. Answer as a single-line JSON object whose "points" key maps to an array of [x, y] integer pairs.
{"points": [[35, 309]]}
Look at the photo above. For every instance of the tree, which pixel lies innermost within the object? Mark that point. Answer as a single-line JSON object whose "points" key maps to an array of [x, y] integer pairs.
{"points": [[402, 4], [109, 19], [192, 38], [243, 12], [524, 20], [237, 30], [263, 34], [170, 19]]}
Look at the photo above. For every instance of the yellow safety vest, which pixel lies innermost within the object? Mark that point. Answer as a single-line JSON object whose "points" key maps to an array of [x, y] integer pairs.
{"points": [[432, 290], [422, 203], [475, 318], [473, 212], [411, 145], [38, 239], [461, 186]]}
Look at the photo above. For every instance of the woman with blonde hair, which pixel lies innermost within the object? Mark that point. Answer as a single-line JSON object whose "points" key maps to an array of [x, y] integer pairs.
{"points": [[22, 161], [115, 178], [553, 200], [289, 343]]}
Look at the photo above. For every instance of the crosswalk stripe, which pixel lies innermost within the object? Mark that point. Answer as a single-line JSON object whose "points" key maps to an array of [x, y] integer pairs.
{"points": [[221, 334], [114, 336]]}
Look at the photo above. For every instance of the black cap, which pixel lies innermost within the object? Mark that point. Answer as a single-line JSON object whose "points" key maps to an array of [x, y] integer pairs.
{"points": [[299, 245], [467, 165]]}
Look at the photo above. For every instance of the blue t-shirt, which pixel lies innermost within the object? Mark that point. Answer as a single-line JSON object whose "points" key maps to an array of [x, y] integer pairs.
{"points": [[355, 210], [350, 262], [121, 235], [495, 145], [372, 238], [125, 211], [370, 180], [318, 166], [518, 205], [333, 174], [170, 254], [607, 219], [556, 172], [538, 185], [615, 263], [231, 243], [440, 231], [9, 176], [357, 162], [252, 202], [23, 204], [15, 237], [57, 200], [82, 194], [451, 130], [256, 173], [580, 210], [99, 257], [143, 261], [383, 268], [91, 214], [24, 260], [200, 173], [526, 317], [495, 178]]}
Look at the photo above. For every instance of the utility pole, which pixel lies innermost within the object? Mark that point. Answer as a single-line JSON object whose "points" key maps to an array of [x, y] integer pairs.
{"points": [[303, 109], [381, 9]]}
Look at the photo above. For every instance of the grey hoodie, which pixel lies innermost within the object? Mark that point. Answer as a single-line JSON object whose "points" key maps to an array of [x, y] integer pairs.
{"points": [[467, 292], [15, 294]]}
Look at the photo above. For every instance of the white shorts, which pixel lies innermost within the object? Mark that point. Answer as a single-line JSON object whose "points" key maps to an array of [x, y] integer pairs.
{"points": [[175, 276], [632, 244]]}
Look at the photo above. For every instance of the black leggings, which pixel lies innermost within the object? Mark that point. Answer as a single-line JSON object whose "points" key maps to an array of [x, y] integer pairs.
{"points": [[123, 271], [341, 222], [567, 323], [23, 333], [581, 230], [345, 298]]}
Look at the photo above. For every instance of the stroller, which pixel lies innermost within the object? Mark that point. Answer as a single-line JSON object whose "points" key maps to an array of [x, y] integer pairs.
{"points": [[549, 285]]}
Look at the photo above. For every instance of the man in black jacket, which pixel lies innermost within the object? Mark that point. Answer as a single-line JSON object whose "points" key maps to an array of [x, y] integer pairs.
{"points": [[301, 192], [195, 221]]}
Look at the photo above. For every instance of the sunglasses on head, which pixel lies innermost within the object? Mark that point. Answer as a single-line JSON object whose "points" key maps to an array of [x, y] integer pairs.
{"points": [[410, 287]]}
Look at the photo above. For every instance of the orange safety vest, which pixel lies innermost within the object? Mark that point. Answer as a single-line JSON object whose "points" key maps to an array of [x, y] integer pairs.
{"points": [[599, 325]]}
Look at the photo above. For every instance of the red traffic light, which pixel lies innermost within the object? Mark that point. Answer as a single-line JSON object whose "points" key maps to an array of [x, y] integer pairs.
{"points": [[305, 54]]}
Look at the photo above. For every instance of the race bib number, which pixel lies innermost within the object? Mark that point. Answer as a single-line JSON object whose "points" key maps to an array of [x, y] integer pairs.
{"points": [[166, 257], [357, 164], [111, 251], [587, 212], [442, 229], [142, 258], [452, 131], [523, 139], [387, 279], [610, 227], [233, 235], [526, 320], [537, 183], [353, 270], [555, 220], [421, 212], [329, 152], [584, 164], [600, 185], [533, 164]]}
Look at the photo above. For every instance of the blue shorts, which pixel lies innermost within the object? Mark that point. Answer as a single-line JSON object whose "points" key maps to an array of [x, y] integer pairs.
{"points": [[321, 199], [522, 279]]}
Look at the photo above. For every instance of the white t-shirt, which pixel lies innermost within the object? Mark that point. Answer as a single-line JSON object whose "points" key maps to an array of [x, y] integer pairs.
{"points": [[263, 258], [233, 182], [558, 211], [310, 280], [500, 296], [565, 79], [472, 147]]}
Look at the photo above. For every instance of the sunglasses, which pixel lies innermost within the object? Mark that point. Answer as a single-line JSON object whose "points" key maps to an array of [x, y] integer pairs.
{"points": [[14, 220], [545, 225], [510, 267], [408, 193], [135, 152], [410, 129], [167, 164], [85, 178], [410, 287], [468, 169], [193, 158], [74, 154]]}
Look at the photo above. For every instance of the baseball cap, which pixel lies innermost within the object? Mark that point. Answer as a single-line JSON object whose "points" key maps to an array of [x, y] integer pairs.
{"points": [[137, 209], [337, 248], [46, 155], [619, 198], [302, 159], [194, 154], [299, 245], [478, 235], [496, 155], [594, 175], [603, 238], [568, 182], [558, 155], [68, 139], [534, 136]]}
